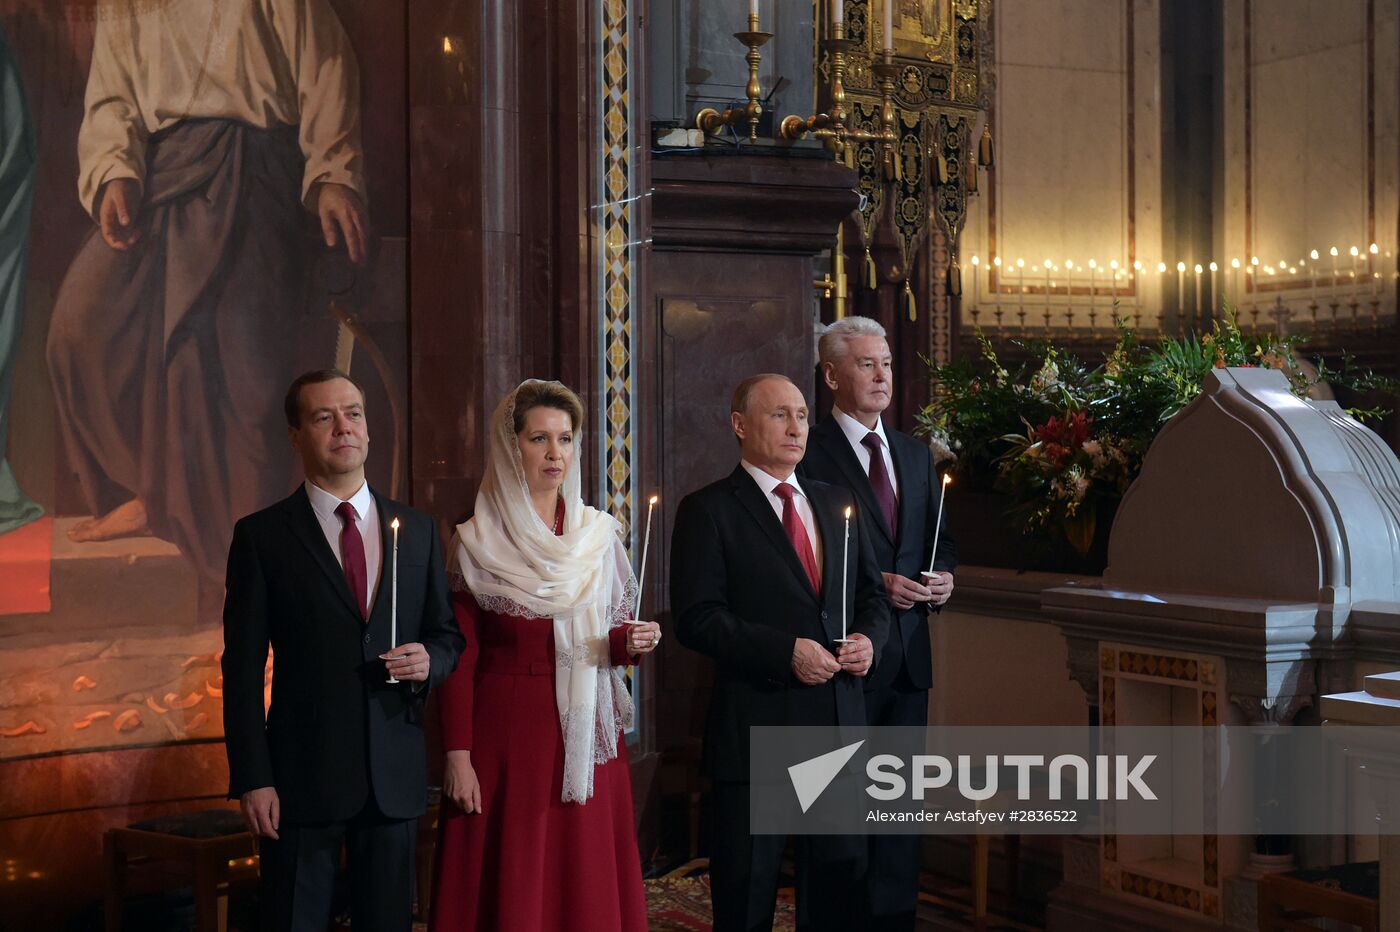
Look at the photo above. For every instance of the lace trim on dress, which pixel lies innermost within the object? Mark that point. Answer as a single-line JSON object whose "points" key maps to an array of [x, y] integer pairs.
{"points": [[611, 716]]}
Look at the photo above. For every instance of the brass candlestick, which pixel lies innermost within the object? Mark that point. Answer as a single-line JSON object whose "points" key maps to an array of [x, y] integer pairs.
{"points": [[833, 127], [887, 71], [710, 120], [828, 126]]}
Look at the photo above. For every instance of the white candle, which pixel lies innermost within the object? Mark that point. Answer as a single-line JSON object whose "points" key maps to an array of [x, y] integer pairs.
{"points": [[838, 12], [1047, 284], [947, 478], [1375, 276], [1333, 252], [642, 571], [1093, 274], [889, 25], [1113, 289], [1020, 283], [1213, 269], [1181, 289], [1355, 266], [1069, 287], [1198, 308], [1235, 282], [976, 272], [753, 8], [845, 555], [394, 594]]}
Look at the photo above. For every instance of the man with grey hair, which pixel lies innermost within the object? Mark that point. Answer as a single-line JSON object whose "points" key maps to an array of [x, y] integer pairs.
{"points": [[893, 478], [757, 586]]}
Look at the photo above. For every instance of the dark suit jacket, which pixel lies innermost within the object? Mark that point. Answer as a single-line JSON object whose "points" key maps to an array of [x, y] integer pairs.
{"points": [[830, 459], [336, 730], [739, 595]]}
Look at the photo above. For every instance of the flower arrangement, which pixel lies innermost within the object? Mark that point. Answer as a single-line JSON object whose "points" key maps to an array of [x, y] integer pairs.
{"points": [[1063, 441]]}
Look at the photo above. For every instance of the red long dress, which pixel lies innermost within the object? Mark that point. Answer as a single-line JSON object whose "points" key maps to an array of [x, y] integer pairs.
{"points": [[529, 862]]}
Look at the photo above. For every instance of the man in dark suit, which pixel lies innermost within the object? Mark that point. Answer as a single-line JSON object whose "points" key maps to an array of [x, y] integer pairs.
{"points": [[755, 585], [893, 478], [339, 759]]}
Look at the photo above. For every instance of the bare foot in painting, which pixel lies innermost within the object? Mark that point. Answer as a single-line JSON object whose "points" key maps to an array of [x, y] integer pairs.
{"points": [[127, 520]]}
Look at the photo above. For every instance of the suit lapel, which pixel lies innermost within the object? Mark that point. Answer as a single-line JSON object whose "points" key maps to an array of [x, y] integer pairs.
{"points": [[831, 527], [754, 501], [904, 469], [834, 442], [383, 596], [308, 530]]}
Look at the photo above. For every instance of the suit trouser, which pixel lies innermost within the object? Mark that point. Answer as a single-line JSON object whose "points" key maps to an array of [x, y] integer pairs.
{"points": [[300, 868], [744, 871], [892, 881]]}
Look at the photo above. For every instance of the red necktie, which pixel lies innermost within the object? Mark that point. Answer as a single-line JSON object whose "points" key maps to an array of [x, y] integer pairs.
{"points": [[797, 533], [352, 557], [880, 482]]}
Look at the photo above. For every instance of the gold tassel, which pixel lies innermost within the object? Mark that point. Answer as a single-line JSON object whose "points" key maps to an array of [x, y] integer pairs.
{"points": [[870, 273], [910, 304], [954, 280], [984, 149], [971, 178]]}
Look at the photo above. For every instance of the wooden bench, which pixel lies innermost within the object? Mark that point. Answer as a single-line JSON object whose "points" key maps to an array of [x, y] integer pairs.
{"points": [[1347, 892], [210, 847]]}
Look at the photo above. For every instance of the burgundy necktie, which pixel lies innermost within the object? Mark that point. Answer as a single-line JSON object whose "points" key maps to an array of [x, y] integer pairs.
{"points": [[352, 557], [880, 482], [797, 533]]}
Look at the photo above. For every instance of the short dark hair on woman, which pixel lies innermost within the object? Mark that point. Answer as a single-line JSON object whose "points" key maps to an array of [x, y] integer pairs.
{"points": [[291, 405], [555, 395]]}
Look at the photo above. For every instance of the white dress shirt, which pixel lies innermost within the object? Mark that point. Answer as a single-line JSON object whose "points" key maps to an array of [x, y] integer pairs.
{"points": [[767, 484], [324, 505], [855, 433]]}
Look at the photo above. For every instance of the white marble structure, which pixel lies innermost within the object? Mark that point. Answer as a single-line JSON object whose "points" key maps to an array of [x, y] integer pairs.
{"points": [[1253, 566]]}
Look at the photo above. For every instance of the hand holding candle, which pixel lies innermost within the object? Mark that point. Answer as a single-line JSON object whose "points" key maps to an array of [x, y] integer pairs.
{"points": [[394, 596], [642, 568], [403, 661], [933, 554], [845, 556]]}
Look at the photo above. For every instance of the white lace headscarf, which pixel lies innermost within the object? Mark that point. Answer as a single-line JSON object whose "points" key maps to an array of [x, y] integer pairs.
{"points": [[513, 564]]}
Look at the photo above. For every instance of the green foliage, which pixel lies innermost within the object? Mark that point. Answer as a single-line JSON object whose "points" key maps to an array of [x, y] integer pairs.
{"points": [[1063, 440]]}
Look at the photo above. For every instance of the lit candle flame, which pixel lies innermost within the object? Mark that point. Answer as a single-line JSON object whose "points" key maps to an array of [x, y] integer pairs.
{"points": [[651, 501], [947, 478], [394, 524], [848, 512]]}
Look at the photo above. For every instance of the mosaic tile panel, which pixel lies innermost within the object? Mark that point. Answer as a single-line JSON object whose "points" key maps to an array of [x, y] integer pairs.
{"points": [[616, 265]]}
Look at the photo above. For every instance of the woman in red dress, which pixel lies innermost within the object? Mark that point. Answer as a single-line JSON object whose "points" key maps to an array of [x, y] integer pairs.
{"points": [[537, 827]]}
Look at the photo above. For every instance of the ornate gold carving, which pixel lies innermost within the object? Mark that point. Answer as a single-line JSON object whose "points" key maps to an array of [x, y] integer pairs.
{"points": [[1161, 891], [965, 87]]}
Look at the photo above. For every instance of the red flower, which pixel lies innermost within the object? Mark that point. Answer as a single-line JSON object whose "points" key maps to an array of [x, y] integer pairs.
{"points": [[1061, 437]]}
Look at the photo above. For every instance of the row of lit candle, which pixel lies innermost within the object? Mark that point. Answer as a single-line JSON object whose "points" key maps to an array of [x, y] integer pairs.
{"points": [[1053, 277]]}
